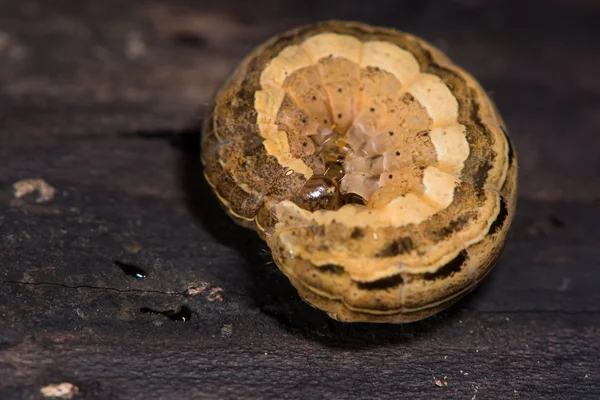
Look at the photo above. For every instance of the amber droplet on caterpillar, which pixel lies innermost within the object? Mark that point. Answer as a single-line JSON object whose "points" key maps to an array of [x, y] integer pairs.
{"points": [[379, 173], [319, 193]]}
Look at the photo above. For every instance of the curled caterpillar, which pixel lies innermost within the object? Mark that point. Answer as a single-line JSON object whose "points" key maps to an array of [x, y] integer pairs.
{"points": [[379, 173]]}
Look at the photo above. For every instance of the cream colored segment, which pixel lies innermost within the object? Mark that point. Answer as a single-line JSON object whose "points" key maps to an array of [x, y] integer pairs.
{"points": [[292, 218], [262, 119], [349, 215], [332, 44], [400, 211], [356, 270], [278, 146], [451, 147], [433, 94], [439, 187], [391, 58], [268, 102], [288, 61], [299, 167], [467, 236], [352, 216], [408, 209], [268, 130]]}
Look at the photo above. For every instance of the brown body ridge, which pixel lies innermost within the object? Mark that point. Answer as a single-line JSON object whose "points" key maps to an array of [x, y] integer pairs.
{"points": [[379, 173]]}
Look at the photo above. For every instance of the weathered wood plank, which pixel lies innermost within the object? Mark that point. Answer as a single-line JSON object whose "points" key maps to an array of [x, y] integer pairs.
{"points": [[94, 100]]}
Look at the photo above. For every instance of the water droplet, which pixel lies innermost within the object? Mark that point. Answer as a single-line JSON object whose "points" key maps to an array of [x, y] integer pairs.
{"points": [[130, 269]]}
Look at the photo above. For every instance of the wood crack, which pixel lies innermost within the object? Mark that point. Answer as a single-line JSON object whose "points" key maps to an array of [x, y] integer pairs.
{"points": [[105, 288]]}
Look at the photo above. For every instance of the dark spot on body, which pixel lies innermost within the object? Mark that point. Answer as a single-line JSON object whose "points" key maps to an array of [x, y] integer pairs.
{"points": [[357, 233], [454, 226], [314, 98], [391, 133], [340, 90], [382, 284], [481, 175], [331, 269], [339, 115], [500, 219], [318, 230], [397, 247], [390, 176], [372, 109], [397, 153], [407, 98], [449, 268], [373, 159], [511, 152], [353, 198]]}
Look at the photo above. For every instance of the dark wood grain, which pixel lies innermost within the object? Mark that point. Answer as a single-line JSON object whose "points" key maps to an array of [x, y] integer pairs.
{"points": [[100, 99]]}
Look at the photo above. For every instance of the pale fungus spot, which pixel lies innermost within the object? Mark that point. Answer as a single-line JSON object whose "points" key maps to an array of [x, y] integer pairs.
{"points": [[63, 390], [45, 192]]}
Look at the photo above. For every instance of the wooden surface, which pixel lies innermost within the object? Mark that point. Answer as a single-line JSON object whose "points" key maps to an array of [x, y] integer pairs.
{"points": [[97, 98]]}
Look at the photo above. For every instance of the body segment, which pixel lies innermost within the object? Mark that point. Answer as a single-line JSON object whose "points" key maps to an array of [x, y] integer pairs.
{"points": [[379, 173]]}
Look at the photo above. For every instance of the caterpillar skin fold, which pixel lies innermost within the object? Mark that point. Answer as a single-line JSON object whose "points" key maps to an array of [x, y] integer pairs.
{"points": [[379, 173]]}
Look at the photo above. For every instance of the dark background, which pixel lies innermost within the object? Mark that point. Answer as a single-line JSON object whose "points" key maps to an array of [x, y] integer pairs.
{"points": [[96, 98]]}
